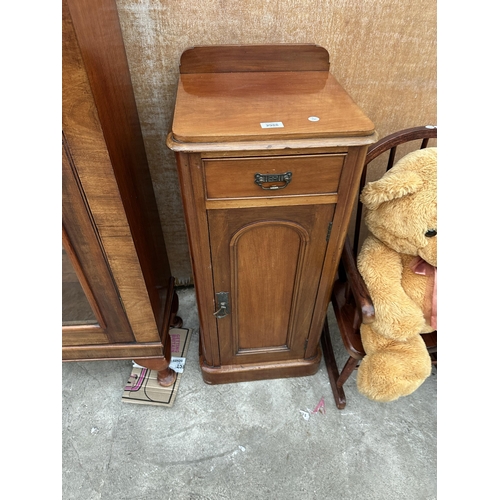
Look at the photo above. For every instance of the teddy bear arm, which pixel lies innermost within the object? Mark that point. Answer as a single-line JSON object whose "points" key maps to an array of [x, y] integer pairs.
{"points": [[397, 316]]}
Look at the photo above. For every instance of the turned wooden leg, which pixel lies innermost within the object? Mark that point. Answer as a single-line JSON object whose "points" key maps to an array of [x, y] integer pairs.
{"points": [[166, 376], [175, 321]]}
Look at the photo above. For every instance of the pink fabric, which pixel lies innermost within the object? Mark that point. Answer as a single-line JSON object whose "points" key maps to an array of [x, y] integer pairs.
{"points": [[420, 266]]}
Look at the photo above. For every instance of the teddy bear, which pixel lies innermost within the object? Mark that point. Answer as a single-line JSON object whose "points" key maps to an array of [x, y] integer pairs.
{"points": [[398, 262]]}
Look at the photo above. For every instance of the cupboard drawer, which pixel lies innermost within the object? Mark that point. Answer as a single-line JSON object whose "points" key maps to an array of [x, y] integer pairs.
{"points": [[257, 177]]}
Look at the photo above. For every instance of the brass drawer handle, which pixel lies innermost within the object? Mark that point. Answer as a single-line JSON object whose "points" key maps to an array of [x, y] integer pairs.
{"points": [[267, 178]]}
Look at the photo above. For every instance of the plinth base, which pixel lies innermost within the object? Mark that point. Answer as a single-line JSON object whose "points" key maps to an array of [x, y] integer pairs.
{"points": [[262, 371]]}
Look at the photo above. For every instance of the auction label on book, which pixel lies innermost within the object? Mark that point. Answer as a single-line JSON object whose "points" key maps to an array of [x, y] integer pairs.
{"points": [[272, 124], [177, 364]]}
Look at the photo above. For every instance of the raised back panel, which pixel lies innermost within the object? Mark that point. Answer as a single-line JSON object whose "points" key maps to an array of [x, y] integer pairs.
{"points": [[244, 58]]}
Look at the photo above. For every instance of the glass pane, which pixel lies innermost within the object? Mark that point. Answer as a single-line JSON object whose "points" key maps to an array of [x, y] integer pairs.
{"points": [[76, 309]]}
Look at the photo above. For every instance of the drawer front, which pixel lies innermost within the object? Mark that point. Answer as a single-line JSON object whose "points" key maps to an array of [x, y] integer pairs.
{"points": [[256, 177]]}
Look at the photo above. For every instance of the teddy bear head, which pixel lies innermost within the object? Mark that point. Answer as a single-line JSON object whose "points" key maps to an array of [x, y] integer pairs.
{"points": [[401, 207]]}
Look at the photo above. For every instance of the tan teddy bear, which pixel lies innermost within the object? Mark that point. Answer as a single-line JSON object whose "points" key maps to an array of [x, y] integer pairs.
{"points": [[398, 262]]}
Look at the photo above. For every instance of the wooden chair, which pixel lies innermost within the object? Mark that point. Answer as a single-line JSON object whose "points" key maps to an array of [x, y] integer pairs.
{"points": [[351, 301]]}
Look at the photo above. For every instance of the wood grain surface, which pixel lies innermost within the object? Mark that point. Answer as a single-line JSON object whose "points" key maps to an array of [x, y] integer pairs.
{"points": [[241, 106], [383, 53]]}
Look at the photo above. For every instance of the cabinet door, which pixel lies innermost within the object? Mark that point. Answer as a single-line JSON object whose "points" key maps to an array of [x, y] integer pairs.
{"points": [[270, 261], [92, 310]]}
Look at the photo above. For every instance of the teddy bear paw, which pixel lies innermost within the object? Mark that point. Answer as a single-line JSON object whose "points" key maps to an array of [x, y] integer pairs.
{"points": [[386, 376]]}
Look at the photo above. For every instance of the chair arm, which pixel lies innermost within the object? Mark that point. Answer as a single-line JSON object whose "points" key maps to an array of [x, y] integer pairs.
{"points": [[357, 285]]}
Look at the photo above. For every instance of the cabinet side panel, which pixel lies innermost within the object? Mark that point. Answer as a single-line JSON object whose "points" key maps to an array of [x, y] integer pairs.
{"points": [[191, 182], [348, 189]]}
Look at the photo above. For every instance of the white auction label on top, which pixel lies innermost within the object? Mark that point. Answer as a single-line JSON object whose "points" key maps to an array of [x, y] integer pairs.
{"points": [[272, 125]]}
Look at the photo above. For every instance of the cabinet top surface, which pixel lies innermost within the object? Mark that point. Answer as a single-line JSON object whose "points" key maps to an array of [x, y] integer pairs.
{"points": [[245, 93]]}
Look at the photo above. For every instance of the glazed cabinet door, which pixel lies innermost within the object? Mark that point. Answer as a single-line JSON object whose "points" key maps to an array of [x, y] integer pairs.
{"points": [[268, 260], [92, 310]]}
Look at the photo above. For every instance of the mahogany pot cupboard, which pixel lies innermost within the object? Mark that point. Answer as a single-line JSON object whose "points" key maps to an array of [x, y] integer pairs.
{"points": [[269, 150], [118, 293]]}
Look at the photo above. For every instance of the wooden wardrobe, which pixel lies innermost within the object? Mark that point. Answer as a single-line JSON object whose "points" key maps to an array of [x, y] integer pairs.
{"points": [[118, 293]]}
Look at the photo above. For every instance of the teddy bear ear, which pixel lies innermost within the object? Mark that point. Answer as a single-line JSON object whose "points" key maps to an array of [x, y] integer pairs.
{"points": [[391, 186]]}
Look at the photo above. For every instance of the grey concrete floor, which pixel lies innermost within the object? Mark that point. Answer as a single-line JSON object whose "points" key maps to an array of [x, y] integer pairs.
{"points": [[242, 441]]}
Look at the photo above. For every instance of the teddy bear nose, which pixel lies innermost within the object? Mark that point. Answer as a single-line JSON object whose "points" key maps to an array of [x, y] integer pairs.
{"points": [[430, 233]]}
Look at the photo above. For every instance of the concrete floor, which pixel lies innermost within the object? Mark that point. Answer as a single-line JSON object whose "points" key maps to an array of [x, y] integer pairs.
{"points": [[242, 441]]}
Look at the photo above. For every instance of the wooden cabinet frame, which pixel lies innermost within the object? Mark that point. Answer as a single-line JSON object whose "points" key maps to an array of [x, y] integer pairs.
{"points": [[303, 213]]}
